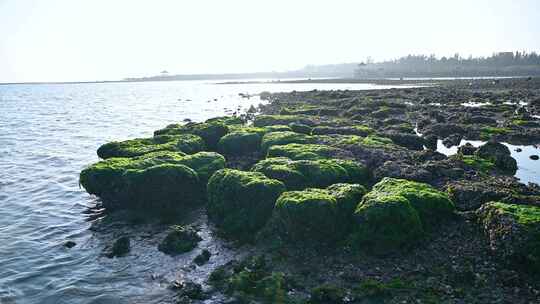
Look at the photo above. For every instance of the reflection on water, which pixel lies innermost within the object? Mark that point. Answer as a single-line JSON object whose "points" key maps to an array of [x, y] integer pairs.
{"points": [[48, 133], [528, 169]]}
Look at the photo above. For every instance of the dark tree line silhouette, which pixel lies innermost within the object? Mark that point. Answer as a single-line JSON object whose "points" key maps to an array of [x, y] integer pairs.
{"points": [[499, 64]]}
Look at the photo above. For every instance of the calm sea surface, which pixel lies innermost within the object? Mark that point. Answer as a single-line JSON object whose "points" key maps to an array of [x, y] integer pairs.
{"points": [[48, 133]]}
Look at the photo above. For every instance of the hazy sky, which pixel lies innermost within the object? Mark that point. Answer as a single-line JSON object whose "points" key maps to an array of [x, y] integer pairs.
{"points": [[64, 40]]}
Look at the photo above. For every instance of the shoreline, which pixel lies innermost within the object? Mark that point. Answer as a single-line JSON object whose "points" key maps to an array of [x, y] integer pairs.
{"points": [[353, 147]]}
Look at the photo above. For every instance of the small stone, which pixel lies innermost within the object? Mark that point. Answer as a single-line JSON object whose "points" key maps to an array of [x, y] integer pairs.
{"points": [[518, 150], [534, 157], [70, 244]]}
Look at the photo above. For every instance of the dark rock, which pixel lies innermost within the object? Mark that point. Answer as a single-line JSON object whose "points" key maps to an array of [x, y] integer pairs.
{"points": [[409, 141], [518, 150], [179, 240], [534, 157], [452, 140], [202, 258], [400, 169], [69, 244], [467, 149], [431, 141], [188, 289], [499, 154], [120, 247]]}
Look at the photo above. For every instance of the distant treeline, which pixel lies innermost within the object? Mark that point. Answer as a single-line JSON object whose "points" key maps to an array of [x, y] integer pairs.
{"points": [[499, 64]]}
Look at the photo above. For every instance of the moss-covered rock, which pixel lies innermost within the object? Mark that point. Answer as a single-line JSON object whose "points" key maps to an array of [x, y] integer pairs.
{"points": [[385, 222], [238, 143], [323, 215], [209, 132], [396, 212], [327, 293], [157, 180], [304, 151], [162, 187], [499, 154], [359, 130], [300, 174], [180, 239], [241, 202], [283, 138], [187, 143], [513, 232], [269, 120], [300, 128], [431, 204], [476, 162]]}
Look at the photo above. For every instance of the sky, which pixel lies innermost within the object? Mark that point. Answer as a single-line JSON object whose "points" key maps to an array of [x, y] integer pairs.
{"points": [[85, 40]]}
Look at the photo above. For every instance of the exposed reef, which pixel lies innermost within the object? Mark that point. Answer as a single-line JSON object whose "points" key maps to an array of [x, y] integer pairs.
{"points": [[341, 196]]}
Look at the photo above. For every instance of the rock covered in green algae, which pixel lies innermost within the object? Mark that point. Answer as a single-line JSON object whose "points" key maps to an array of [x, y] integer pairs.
{"points": [[359, 130], [157, 180], [396, 212], [300, 128], [283, 138], [304, 151], [300, 174], [239, 143], [431, 204], [179, 240], [210, 132], [269, 120], [241, 202], [187, 143], [499, 154], [251, 281], [327, 293], [513, 231], [324, 215]]}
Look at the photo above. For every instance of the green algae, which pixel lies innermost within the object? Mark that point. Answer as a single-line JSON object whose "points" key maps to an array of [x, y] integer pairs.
{"points": [[269, 120], [476, 162], [303, 151], [239, 143], [513, 231], [187, 143], [209, 132], [241, 202], [487, 132], [300, 174], [150, 179], [323, 215], [359, 130], [432, 205], [283, 138], [397, 212], [300, 128]]}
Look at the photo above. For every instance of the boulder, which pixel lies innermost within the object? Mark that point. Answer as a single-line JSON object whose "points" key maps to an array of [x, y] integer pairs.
{"points": [[300, 174], [186, 143], [239, 143], [513, 232], [283, 138], [241, 202], [153, 181], [269, 120], [498, 154], [322, 215], [396, 212], [304, 151], [180, 239], [210, 132]]}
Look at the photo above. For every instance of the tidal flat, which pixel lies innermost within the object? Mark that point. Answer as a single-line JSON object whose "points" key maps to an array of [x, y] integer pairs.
{"points": [[342, 197]]}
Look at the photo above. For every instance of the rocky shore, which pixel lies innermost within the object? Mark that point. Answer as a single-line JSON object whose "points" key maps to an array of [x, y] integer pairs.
{"points": [[341, 196]]}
